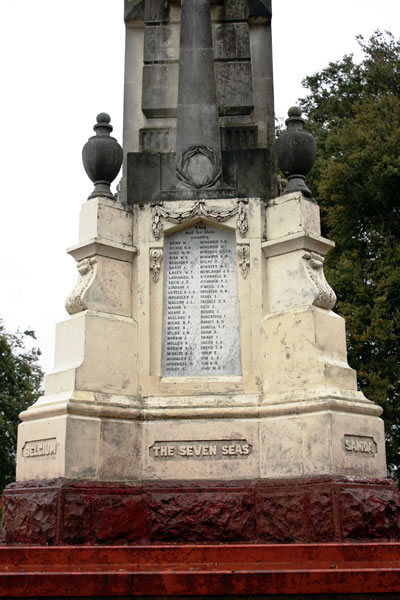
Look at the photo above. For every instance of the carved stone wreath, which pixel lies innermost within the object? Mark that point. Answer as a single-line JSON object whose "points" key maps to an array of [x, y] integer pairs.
{"points": [[199, 209], [199, 167]]}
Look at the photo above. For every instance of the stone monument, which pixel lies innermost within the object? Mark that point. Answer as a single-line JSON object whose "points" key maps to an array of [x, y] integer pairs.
{"points": [[201, 390]]}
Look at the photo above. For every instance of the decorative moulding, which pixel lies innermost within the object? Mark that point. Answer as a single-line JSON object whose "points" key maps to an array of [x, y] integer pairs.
{"points": [[297, 241], [103, 247], [156, 256], [244, 258], [304, 401], [199, 208]]}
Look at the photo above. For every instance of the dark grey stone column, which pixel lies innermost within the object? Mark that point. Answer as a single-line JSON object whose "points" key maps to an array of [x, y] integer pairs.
{"points": [[197, 115]]}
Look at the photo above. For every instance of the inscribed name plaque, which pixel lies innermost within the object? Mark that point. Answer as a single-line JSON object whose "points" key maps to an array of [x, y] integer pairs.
{"points": [[201, 316], [200, 450], [40, 448], [365, 445]]}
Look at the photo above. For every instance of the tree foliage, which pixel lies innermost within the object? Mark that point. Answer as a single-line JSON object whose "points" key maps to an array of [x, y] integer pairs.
{"points": [[20, 382], [354, 113]]}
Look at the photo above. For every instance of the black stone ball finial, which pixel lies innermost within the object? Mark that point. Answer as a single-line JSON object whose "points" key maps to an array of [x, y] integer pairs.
{"points": [[295, 153], [102, 157]]}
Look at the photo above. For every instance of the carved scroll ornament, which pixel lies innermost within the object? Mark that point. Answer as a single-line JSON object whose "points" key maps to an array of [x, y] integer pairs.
{"points": [[87, 272], [326, 297]]}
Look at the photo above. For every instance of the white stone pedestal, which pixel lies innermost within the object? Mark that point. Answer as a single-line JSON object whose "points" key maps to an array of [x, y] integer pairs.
{"points": [[136, 394]]}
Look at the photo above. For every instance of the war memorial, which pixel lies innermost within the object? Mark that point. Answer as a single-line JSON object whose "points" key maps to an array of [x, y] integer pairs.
{"points": [[201, 433]]}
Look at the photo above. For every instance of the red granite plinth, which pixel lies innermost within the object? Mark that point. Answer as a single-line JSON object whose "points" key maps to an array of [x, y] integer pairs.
{"points": [[294, 571], [319, 509]]}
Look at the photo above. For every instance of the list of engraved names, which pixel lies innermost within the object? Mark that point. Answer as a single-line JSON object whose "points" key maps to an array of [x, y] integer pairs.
{"points": [[201, 320]]}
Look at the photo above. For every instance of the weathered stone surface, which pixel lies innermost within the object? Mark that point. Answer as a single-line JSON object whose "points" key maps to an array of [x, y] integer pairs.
{"points": [[263, 84], [161, 43], [282, 517], [151, 176], [231, 41], [156, 11], [234, 88], [107, 219], [31, 517], [207, 516], [248, 172], [371, 514], [197, 115], [235, 10], [160, 139], [159, 91], [120, 447], [311, 330], [240, 137], [253, 172], [260, 8], [119, 519], [322, 518], [153, 38], [299, 510], [168, 171], [143, 177], [134, 10], [77, 518]]}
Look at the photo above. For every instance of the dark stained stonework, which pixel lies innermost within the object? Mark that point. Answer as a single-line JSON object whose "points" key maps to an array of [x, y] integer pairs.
{"points": [[156, 11], [198, 142], [144, 177], [239, 137], [158, 96], [149, 11], [308, 510], [134, 10], [248, 171], [203, 75], [260, 8], [235, 88], [151, 176], [231, 41], [235, 10]]}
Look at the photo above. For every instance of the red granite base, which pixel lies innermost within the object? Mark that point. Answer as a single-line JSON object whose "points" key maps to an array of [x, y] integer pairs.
{"points": [[319, 509], [292, 572]]}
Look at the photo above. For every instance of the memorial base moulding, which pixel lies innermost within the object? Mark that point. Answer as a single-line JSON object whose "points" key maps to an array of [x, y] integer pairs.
{"points": [[327, 509]]}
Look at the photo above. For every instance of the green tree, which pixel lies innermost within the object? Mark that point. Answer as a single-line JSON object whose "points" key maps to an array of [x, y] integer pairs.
{"points": [[354, 113], [20, 383]]}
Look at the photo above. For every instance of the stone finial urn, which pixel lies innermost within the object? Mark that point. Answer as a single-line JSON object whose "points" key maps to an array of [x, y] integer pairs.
{"points": [[295, 152], [102, 157]]}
